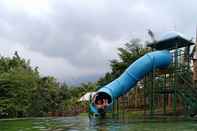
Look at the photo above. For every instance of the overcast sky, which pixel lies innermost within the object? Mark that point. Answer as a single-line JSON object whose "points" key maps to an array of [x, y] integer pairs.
{"points": [[74, 40]]}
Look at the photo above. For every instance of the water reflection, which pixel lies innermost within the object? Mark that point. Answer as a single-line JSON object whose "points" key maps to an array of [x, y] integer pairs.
{"points": [[83, 123]]}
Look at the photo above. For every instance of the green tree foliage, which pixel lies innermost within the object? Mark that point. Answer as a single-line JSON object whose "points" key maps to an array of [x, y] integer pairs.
{"points": [[23, 92], [127, 55], [17, 79]]}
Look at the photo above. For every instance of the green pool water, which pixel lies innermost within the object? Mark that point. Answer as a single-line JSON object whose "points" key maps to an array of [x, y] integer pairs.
{"points": [[82, 123]]}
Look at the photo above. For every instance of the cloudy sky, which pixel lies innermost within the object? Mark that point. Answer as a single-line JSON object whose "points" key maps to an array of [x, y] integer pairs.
{"points": [[74, 40]]}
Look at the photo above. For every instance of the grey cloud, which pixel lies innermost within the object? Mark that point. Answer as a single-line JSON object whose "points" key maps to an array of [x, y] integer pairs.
{"points": [[87, 33]]}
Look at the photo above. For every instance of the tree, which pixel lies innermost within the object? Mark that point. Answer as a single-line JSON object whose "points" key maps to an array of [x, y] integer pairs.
{"points": [[17, 79], [23, 92], [127, 55]]}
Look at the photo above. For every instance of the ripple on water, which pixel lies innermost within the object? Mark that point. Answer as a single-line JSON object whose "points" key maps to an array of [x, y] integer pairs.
{"points": [[82, 123]]}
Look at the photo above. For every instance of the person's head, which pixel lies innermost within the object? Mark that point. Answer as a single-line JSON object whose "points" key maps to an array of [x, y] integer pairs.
{"points": [[99, 102]]}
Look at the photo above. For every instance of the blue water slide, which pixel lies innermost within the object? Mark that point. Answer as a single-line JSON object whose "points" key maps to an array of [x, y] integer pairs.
{"points": [[128, 79]]}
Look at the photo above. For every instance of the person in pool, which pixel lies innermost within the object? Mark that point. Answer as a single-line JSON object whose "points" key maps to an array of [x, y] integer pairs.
{"points": [[101, 103]]}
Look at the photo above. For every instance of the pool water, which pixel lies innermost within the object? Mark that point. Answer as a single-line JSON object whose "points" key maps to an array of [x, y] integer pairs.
{"points": [[83, 123]]}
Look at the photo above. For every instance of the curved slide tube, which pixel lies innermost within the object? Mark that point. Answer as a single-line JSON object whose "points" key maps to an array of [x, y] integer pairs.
{"points": [[134, 73]]}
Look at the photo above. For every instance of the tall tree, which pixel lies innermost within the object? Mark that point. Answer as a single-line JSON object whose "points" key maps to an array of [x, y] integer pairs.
{"points": [[127, 55]]}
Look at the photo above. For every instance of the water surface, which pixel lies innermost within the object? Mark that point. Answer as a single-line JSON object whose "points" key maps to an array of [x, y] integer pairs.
{"points": [[82, 123]]}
